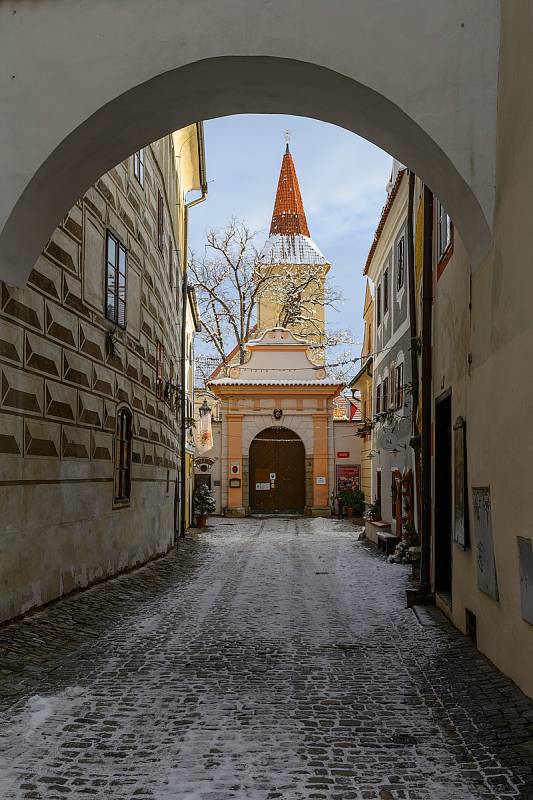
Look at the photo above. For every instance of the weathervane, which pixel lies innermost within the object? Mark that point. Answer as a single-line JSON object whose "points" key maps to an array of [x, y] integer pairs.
{"points": [[287, 137]]}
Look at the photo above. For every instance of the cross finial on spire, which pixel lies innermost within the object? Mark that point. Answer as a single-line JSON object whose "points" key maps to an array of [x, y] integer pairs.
{"points": [[287, 139]]}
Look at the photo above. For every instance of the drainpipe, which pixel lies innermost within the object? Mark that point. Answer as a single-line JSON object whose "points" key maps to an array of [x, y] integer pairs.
{"points": [[427, 311], [184, 302], [415, 379]]}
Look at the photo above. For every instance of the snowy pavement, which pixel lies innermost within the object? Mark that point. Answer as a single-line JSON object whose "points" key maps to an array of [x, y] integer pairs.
{"points": [[269, 658]]}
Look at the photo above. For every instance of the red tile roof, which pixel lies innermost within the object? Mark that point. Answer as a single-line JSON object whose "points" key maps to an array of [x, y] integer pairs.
{"points": [[288, 218]]}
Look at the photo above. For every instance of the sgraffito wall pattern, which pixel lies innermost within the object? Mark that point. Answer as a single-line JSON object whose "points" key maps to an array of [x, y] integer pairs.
{"points": [[61, 384]]}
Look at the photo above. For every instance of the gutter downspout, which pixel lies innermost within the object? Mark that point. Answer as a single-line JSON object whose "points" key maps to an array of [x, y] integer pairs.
{"points": [[184, 302], [415, 378], [427, 312]]}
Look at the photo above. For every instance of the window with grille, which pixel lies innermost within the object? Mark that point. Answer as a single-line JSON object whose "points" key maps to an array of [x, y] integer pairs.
{"points": [[385, 291], [444, 225], [159, 361], [400, 263], [398, 387], [385, 394], [160, 221], [138, 165], [122, 478], [115, 308]]}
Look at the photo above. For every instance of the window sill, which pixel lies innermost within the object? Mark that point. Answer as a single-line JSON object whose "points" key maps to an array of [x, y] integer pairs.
{"points": [[118, 504]]}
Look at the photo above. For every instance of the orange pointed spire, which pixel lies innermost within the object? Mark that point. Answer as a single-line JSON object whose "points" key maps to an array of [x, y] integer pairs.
{"points": [[288, 218]]}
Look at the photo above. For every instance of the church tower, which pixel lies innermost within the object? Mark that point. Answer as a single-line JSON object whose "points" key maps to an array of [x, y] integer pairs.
{"points": [[291, 265]]}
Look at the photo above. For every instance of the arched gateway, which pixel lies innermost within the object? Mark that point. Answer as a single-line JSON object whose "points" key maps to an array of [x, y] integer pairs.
{"points": [[277, 472]]}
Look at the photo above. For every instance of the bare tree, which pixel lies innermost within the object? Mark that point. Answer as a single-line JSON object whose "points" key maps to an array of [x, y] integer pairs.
{"points": [[230, 279]]}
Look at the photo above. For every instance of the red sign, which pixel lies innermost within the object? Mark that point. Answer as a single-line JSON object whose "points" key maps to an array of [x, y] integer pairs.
{"points": [[343, 454]]}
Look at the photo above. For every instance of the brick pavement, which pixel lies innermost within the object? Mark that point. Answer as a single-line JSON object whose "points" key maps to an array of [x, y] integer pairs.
{"points": [[265, 659]]}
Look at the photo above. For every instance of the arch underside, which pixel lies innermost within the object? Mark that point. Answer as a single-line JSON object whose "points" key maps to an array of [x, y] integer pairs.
{"points": [[213, 88]]}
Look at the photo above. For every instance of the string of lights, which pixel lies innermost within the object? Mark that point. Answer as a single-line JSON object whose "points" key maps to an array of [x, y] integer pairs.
{"points": [[211, 360]]}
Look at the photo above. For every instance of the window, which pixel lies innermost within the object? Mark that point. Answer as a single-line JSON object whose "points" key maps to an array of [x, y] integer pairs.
{"points": [[122, 478], [385, 394], [398, 386], [138, 165], [400, 263], [385, 291], [170, 263], [115, 305], [378, 399], [378, 305], [159, 359], [160, 220], [444, 225]]}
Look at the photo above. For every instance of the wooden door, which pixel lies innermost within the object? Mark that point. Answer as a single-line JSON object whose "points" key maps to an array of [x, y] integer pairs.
{"points": [[277, 472]]}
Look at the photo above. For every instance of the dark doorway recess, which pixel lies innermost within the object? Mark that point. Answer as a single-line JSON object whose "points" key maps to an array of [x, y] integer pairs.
{"points": [[277, 472], [443, 495]]}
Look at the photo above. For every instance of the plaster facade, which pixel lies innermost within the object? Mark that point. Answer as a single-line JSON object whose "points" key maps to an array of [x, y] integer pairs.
{"points": [[208, 462], [185, 61], [387, 268], [259, 395], [362, 387], [483, 340], [68, 371]]}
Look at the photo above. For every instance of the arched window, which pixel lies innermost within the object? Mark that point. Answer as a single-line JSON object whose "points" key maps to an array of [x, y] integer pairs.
{"points": [[122, 481]]}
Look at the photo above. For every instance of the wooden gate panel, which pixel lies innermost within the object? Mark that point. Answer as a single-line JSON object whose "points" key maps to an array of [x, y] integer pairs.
{"points": [[277, 472]]}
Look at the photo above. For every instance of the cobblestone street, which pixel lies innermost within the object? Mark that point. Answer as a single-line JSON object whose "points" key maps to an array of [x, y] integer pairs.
{"points": [[265, 659]]}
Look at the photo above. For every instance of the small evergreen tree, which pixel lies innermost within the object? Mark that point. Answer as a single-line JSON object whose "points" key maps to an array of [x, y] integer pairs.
{"points": [[204, 503]]}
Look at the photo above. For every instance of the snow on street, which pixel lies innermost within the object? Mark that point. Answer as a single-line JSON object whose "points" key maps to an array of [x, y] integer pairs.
{"points": [[267, 658]]}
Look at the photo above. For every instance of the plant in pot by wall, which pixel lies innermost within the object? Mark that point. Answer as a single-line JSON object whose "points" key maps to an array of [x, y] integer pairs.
{"points": [[353, 502], [204, 505], [373, 511]]}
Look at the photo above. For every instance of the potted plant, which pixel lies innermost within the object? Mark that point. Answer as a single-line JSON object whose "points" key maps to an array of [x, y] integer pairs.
{"points": [[204, 505], [358, 502], [345, 498], [373, 511]]}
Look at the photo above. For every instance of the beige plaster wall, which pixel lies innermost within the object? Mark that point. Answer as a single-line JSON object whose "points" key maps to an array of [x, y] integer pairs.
{"points": [[344, 439], [495, 395]]}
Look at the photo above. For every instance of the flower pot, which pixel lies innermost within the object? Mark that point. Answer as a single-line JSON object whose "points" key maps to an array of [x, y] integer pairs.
{"points": [[201, 522], [348, 510]]}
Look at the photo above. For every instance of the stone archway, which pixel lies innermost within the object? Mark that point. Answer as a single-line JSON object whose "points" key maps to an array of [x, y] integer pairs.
{"points": [[277, 472], [346, 63]]}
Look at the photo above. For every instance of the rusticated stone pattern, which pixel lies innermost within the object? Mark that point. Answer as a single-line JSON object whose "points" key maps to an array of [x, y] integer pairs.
{"points": [[60, 387], [265, 659]]}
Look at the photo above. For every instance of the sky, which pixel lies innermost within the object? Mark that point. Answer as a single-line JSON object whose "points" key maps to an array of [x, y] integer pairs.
{"points": [[342, 180]]}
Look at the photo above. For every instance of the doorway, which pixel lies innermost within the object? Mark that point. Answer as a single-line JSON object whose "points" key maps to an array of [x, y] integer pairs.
{"points": [[277, 472], [443, 495]]}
